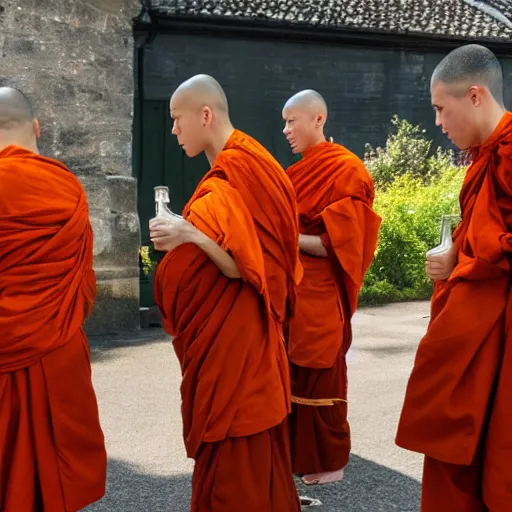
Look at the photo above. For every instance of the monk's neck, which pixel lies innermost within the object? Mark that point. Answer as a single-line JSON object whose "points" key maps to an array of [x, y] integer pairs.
{"points": [[28, 143], [312, 147], [219, 140], [491, 123], [318, 140]]}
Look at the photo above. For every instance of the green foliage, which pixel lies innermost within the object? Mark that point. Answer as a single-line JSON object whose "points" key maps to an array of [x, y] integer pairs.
{"points": [[411, 206], [407, 152], [147, 259]]}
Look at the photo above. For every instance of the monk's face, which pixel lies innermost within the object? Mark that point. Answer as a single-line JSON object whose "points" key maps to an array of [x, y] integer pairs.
{"points": [[456, 114], [300, 128], [188, 125]]}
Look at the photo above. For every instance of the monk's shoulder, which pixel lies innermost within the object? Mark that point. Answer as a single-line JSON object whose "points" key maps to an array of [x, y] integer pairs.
{"points": [[61, 172], [230, 164], [352, 172], [42, 172], [247, 160], [347, 158]]}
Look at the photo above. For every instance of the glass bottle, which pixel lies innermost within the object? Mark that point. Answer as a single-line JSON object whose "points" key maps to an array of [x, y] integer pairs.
{"points": [[446, 244], [162, 199]]}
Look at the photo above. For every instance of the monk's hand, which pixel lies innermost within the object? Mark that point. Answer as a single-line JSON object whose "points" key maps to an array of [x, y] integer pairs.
{"points": [[167, 234], [312, 245], [440, 266]]}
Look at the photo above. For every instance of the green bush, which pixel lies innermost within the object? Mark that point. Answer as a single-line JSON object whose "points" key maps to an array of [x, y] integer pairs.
{"points": [[411, 205], [407, 151]]}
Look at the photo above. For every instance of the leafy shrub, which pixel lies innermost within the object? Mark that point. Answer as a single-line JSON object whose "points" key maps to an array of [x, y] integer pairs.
{"points": [[407, 151], [411, 202]]}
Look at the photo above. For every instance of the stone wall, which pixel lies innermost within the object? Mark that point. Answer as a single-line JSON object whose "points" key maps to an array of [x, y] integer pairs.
{"points": [[74, 60]]}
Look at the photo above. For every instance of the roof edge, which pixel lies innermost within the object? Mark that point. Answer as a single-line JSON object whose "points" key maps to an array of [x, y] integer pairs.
{"points": [[231, 26]]}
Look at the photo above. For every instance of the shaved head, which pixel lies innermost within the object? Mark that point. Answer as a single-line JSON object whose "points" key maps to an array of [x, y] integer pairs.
{"points": [[18, 127], [305, 115], [15, 109], [200, 113], [308, 100], [471, 65], [203, 90]]}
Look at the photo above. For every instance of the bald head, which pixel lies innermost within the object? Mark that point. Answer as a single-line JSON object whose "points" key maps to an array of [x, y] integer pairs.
{"points": [[17, 124], [15, 109], [304, 114], [471, 65], [199, 109], [307, 100], [203, 90]]}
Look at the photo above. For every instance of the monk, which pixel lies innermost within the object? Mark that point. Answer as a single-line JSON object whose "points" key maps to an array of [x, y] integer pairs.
{"points": [[338, 237], [51, 443], [225, 288], [457, 405]]}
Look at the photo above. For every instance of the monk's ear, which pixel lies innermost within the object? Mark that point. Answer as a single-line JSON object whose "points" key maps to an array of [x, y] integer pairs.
{"points": [[37, 128], [320, 121], [207, 116], [475, 94]]}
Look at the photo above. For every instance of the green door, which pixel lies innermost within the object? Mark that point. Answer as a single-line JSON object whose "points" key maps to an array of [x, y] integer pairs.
{"points": [[161, 161]]}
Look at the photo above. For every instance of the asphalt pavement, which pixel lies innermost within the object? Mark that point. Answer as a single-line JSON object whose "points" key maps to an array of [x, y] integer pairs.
{"points": [[137, 379]]}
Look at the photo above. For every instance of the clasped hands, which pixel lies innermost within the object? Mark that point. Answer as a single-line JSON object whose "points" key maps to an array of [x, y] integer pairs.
{"points": [[167, 233]]}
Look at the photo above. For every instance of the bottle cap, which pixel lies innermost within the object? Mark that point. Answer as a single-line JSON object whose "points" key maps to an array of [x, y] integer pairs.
{"points": [[162, 194]]}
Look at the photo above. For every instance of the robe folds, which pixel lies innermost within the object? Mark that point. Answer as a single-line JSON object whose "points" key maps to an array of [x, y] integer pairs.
{"points": [[228, 333], [457, 403], [51, 443], [335, 196]]}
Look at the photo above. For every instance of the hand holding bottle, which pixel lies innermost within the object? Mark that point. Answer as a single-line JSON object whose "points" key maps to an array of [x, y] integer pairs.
{"points": [[167, 233], [440, 266], [168, 230], [441, 260]]}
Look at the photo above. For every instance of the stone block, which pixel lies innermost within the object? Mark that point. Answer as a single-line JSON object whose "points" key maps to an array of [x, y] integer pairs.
{"points": [[97, 191], [124, 250], [116, 308], [101, 227], [123, 194]]}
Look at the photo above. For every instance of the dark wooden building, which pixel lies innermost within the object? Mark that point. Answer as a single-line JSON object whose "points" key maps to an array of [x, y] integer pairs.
{"points": [[369, 59]]}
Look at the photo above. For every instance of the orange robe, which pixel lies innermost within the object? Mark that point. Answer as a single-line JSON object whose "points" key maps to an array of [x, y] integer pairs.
{"points": [[52, 455], [228, 332], [335, 196], [457, 406]]}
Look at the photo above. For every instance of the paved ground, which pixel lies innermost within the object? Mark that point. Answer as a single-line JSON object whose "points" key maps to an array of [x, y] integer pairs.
{"points": [[137, 380]]}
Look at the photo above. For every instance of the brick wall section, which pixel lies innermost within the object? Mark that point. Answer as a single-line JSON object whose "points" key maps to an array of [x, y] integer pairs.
{"points": [[74, 60]]}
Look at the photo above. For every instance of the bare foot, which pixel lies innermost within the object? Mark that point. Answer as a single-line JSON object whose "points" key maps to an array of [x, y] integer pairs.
{"points": [[323, 478]]}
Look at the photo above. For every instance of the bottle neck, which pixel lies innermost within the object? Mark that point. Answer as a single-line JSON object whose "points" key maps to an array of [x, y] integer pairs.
{"points": [[160, 207], [446, 232]]}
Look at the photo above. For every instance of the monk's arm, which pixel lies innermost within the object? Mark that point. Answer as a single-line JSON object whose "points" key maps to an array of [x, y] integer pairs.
{"points": [[167, 234], [217, 254], [312, 245]]}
